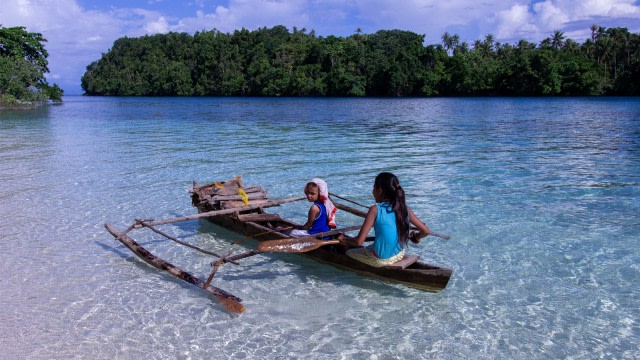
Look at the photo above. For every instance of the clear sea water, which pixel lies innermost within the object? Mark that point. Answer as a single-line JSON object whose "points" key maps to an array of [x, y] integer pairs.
{"points": [[540, 195]]}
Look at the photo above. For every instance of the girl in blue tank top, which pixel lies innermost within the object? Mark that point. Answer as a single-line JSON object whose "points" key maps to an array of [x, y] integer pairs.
{"points": [[317, 219], [391, 218]]}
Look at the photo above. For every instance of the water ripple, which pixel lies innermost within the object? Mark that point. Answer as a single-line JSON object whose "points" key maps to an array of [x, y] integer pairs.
{"points": [[540, 196]]}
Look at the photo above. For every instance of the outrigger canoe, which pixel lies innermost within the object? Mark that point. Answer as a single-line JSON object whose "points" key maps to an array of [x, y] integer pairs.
{"points": [[253, 221], [242, 209]]}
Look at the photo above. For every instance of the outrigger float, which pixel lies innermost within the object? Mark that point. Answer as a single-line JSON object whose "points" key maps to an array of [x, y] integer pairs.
{"points": [[242, 209]]}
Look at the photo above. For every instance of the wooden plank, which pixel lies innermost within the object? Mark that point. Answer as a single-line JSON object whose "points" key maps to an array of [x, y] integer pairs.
{"points": [[235, 204], [406, 261], [232, 190], [250, 196], [212, 189], [259, 217]]}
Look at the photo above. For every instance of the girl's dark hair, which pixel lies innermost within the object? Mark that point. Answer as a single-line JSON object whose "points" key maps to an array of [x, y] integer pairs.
{"points": [[393, 192], [311, 185]]}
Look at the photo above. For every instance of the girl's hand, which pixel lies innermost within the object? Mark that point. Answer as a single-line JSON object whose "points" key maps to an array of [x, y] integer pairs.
{"points": [[344, 242], [414, 236]]}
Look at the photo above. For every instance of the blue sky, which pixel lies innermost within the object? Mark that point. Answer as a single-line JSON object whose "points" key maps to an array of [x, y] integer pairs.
{"points": [[79, 31]]}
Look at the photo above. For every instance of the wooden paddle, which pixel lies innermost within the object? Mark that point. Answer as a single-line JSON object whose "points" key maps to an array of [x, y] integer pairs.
{"points": [[302, 244], [446, 237], [298, 245]]}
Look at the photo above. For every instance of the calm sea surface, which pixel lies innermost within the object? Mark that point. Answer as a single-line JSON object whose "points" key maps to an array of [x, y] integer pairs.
{"points": [[541, 198]]}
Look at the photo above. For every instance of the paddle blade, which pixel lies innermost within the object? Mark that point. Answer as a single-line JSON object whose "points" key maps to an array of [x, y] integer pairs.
{"points": [[230, 305], [294, 245], [446, 237]]}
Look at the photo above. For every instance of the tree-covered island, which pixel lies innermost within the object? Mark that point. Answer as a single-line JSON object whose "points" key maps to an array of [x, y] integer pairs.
{"points": [[23, 65], [277, 62]]}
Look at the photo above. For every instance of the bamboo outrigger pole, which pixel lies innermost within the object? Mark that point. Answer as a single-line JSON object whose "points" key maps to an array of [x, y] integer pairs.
{"points": [[225, 211], [182, 242], [231, 302]]}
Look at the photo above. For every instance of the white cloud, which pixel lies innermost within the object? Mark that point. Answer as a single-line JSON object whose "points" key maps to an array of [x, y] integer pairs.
{"points": [[549, 15], [433, 17], [159, 26], [514, 22], [613, 8], [248, 14]]}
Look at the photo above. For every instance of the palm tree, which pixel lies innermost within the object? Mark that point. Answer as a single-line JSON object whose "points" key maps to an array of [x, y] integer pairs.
{"points": [[477, 44], [557, 40], [455, 41], [571, 46], [447, 42], [486, 46], [605, 48], [525, 45], [594, 29], [546, 43], [464, 47], [635, 46], [621, 39], [627, 40], [489, 40], [589, 48]]}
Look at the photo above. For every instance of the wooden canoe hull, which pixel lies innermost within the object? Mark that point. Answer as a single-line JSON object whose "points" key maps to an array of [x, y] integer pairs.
{"points": [[418, 275]]}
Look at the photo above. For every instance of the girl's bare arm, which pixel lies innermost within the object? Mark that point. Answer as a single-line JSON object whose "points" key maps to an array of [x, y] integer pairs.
{"points": [[364, 230], [314, 210], [423, 229]]}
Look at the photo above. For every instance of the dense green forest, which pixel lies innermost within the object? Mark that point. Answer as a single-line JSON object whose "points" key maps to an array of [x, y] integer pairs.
{"points": [[277, 62], [23, 64]]}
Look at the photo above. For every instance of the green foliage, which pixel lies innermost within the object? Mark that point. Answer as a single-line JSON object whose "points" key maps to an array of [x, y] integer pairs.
{"points": [[23, 63], [393, 66], [278, 62]]}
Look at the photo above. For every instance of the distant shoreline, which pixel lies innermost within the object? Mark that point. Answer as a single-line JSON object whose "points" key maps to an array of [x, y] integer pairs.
{"points": [[20, 105], [276, 62]]}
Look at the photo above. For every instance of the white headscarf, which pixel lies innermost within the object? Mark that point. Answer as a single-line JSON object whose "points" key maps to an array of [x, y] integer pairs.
{"points": [[324, 197]]}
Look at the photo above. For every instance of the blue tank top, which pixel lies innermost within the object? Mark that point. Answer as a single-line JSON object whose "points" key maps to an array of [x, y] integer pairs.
{"points": [[320, 224], [386, 243]]}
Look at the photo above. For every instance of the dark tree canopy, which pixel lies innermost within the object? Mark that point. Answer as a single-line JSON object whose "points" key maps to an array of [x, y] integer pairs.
{"points": [[23, 64], [278, 62]]}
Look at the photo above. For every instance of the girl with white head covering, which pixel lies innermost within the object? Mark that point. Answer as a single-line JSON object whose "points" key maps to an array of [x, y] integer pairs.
{"points": [[324, 197], [321, 217]]}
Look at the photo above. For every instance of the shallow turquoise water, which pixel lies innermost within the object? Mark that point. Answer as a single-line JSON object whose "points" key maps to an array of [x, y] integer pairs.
{"points": [[541, 197]]}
